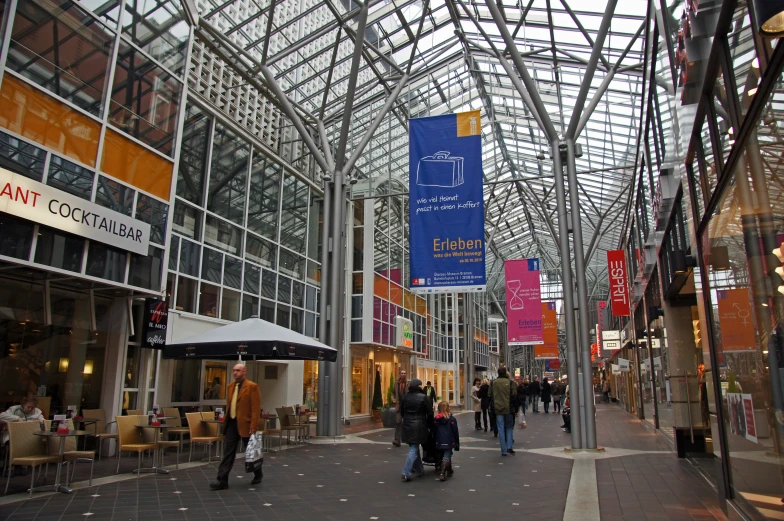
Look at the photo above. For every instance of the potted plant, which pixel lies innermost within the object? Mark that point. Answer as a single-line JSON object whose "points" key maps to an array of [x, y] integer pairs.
{"points": [[377, 400], [389, 416]]}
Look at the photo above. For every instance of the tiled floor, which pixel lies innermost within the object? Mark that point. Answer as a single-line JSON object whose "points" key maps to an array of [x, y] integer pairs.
{"points": [[359, 479]]}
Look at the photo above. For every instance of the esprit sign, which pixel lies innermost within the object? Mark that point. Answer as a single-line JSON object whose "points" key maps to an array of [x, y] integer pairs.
{"points": [[404, 332], [619, 289], [43, 204]]}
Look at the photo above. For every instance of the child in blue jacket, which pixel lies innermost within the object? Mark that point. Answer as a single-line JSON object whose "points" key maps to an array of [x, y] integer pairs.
{"points": [[447, 438]]}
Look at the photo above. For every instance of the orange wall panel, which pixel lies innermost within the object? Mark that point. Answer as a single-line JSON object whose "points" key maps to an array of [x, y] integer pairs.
{"points": [[135, 165], [41, 118], [381, 287]]}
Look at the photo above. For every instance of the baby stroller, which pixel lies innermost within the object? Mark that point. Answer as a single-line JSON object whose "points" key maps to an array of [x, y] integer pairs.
{"points": [[430, 454]]}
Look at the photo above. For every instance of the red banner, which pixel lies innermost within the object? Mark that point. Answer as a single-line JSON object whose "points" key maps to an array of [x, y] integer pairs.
{"points": [[549, 349], [619, 285]]}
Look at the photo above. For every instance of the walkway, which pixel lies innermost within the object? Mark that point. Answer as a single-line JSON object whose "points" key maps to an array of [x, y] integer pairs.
{"points": [[358, 478]]}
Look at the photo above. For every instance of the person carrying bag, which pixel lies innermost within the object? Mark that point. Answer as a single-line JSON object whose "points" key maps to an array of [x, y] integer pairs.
{"points": [[254, 453]]}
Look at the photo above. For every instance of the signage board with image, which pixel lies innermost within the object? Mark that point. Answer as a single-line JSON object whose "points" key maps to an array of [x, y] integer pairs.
{"points": [[404, 333], [156, 320]]}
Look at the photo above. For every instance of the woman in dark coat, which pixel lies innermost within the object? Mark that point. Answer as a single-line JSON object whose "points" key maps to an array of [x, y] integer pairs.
{"points": [[546, 395], [417, 413], [484, 396]]}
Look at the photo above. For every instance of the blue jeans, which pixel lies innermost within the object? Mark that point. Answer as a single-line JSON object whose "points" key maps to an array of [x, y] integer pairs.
{"points": [[413, 461], [447, 456], [505, 431], [524, 404]]}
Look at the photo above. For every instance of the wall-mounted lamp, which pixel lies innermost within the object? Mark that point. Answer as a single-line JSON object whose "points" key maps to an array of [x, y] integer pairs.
{"points": [[720, 258], [680, 262], [770, 17], [63, 365], [88, 367]]}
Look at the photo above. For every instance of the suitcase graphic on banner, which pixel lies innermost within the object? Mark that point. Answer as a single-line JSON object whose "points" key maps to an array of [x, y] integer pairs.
{"points": [[440, 170]]}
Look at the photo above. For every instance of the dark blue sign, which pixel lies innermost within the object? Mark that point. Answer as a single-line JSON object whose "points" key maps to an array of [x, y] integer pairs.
{"points": [[446, 210]]}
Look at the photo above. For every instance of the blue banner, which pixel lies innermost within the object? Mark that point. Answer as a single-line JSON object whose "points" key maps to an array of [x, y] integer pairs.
{"points": [[446, 210]]}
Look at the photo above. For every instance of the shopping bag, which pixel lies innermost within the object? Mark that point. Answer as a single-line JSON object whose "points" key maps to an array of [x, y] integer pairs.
{"points": [[521, 416], [254, 456]]}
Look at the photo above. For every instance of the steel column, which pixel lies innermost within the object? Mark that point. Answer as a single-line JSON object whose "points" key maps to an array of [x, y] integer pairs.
{"points": [[324, 393], [582, 296], [336, 299], [568, 296]]}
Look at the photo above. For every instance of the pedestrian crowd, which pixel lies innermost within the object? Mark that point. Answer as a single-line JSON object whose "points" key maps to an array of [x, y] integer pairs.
{"points": [[497, 406]]}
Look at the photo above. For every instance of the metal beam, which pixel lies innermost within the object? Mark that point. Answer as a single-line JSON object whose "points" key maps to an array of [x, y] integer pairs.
{"points": [[590, 69], [547, 123]]}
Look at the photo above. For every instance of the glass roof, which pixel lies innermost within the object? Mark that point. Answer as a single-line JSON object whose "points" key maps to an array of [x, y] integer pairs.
{"points": [[450, 51]]}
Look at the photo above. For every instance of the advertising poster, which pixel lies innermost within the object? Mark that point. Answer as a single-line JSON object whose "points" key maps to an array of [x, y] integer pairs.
{"points": [[735, 319], [740, 408], [156, 320], [524, 302], [446, 210], [619, 285], [549, 349]]}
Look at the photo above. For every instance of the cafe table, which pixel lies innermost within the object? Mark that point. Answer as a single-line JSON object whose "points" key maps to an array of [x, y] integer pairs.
{"points": [[155, 469], [57, 486]]}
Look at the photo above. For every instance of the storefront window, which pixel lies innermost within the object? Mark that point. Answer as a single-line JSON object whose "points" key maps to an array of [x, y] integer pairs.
{"points": [[743, 249], [215, 382], [186, 381], [61, 363], [310, 385], [358, 385]]}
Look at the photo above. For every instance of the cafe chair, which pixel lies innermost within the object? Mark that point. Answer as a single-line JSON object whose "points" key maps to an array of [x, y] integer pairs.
{"points": [[27, 450], [70, 454], [199, 434], [286, 426], [100, 429], [131, 438], [303, 426], [267, 431], [134, 412], [176, 423]]}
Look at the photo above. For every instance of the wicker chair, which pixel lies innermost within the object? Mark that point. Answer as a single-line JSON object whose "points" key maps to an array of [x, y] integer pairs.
{"points": [[303, 426], [99, 430], [27, 450], [70, 454], [134, 412], [199, 434], [131, 438], [285, 426]]}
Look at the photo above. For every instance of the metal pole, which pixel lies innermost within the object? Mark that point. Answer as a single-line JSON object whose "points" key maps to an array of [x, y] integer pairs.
{"points": [[322, 427], [582, 296], [336, 286], [651, 370], [568, 296]]}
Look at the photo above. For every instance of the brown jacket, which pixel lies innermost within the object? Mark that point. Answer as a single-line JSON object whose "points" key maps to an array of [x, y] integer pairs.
{"points": [[248, 407]]}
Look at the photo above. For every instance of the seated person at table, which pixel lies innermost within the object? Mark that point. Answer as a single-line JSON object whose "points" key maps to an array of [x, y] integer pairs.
{"points": [[25, 411]]}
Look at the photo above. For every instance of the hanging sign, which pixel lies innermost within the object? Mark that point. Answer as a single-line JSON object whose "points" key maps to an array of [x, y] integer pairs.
{"points": [[156, 320], [619, 286], [623, 365], [616, 369], [44, 204], [404, 332], [446, 210], [549, 349], [736, 320], [523, 302]]}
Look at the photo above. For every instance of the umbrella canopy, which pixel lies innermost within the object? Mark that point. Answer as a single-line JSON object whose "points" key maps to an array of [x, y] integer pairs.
{"points": [[252, 337]]}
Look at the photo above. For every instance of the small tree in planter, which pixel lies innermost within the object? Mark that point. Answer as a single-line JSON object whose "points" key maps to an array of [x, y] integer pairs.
{"points": [[389, 417], [377, 399]]}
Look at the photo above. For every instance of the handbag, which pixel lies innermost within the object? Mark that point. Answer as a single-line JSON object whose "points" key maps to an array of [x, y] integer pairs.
{"points": [[254, 455]]}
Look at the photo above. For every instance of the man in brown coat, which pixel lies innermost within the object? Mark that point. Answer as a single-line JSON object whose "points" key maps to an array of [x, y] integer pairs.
{"points": [[398, 392], [243, 408]]}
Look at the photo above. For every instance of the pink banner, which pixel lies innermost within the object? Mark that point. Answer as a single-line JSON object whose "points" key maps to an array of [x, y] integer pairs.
{"points": [[523, 302]]}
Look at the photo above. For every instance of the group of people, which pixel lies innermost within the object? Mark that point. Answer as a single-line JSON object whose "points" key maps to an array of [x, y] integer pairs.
{"points": [[419, 425]]}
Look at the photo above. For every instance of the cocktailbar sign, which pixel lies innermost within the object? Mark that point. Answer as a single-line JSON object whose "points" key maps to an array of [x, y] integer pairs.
{"points": [[619, 287], [43, 204], [156, 320]]}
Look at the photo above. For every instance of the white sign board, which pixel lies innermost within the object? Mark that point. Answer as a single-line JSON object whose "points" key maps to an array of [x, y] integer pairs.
{"points": [[616, 369], [404, 332], [43, 204], [655, 342], [623, 365], [611, 345], [611, 335]]}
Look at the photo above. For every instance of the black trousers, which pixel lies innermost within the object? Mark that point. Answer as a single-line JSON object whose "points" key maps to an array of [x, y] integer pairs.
{"points": [[484, 417], [477, 420], [493, 424], [232, 439]]}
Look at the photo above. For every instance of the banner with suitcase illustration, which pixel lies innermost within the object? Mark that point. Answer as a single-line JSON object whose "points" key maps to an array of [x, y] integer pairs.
{"points": [[446, 210]]}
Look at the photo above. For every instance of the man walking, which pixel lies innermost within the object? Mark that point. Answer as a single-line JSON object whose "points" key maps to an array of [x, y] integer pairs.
{"points": [[502, 392], [243, 408], [430, 391], [535, 390], [399, 391]]}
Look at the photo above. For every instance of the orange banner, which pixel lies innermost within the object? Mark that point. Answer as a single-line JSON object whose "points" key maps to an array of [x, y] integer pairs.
{"points": [[550, 329], [736, 320]]}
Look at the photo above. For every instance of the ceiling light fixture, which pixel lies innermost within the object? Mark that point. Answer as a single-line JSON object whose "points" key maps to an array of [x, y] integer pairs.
{"points": [[770, 17]]}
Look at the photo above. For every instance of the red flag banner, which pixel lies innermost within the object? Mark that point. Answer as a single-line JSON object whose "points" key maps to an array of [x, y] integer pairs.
{"points": [[619, 285]]}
